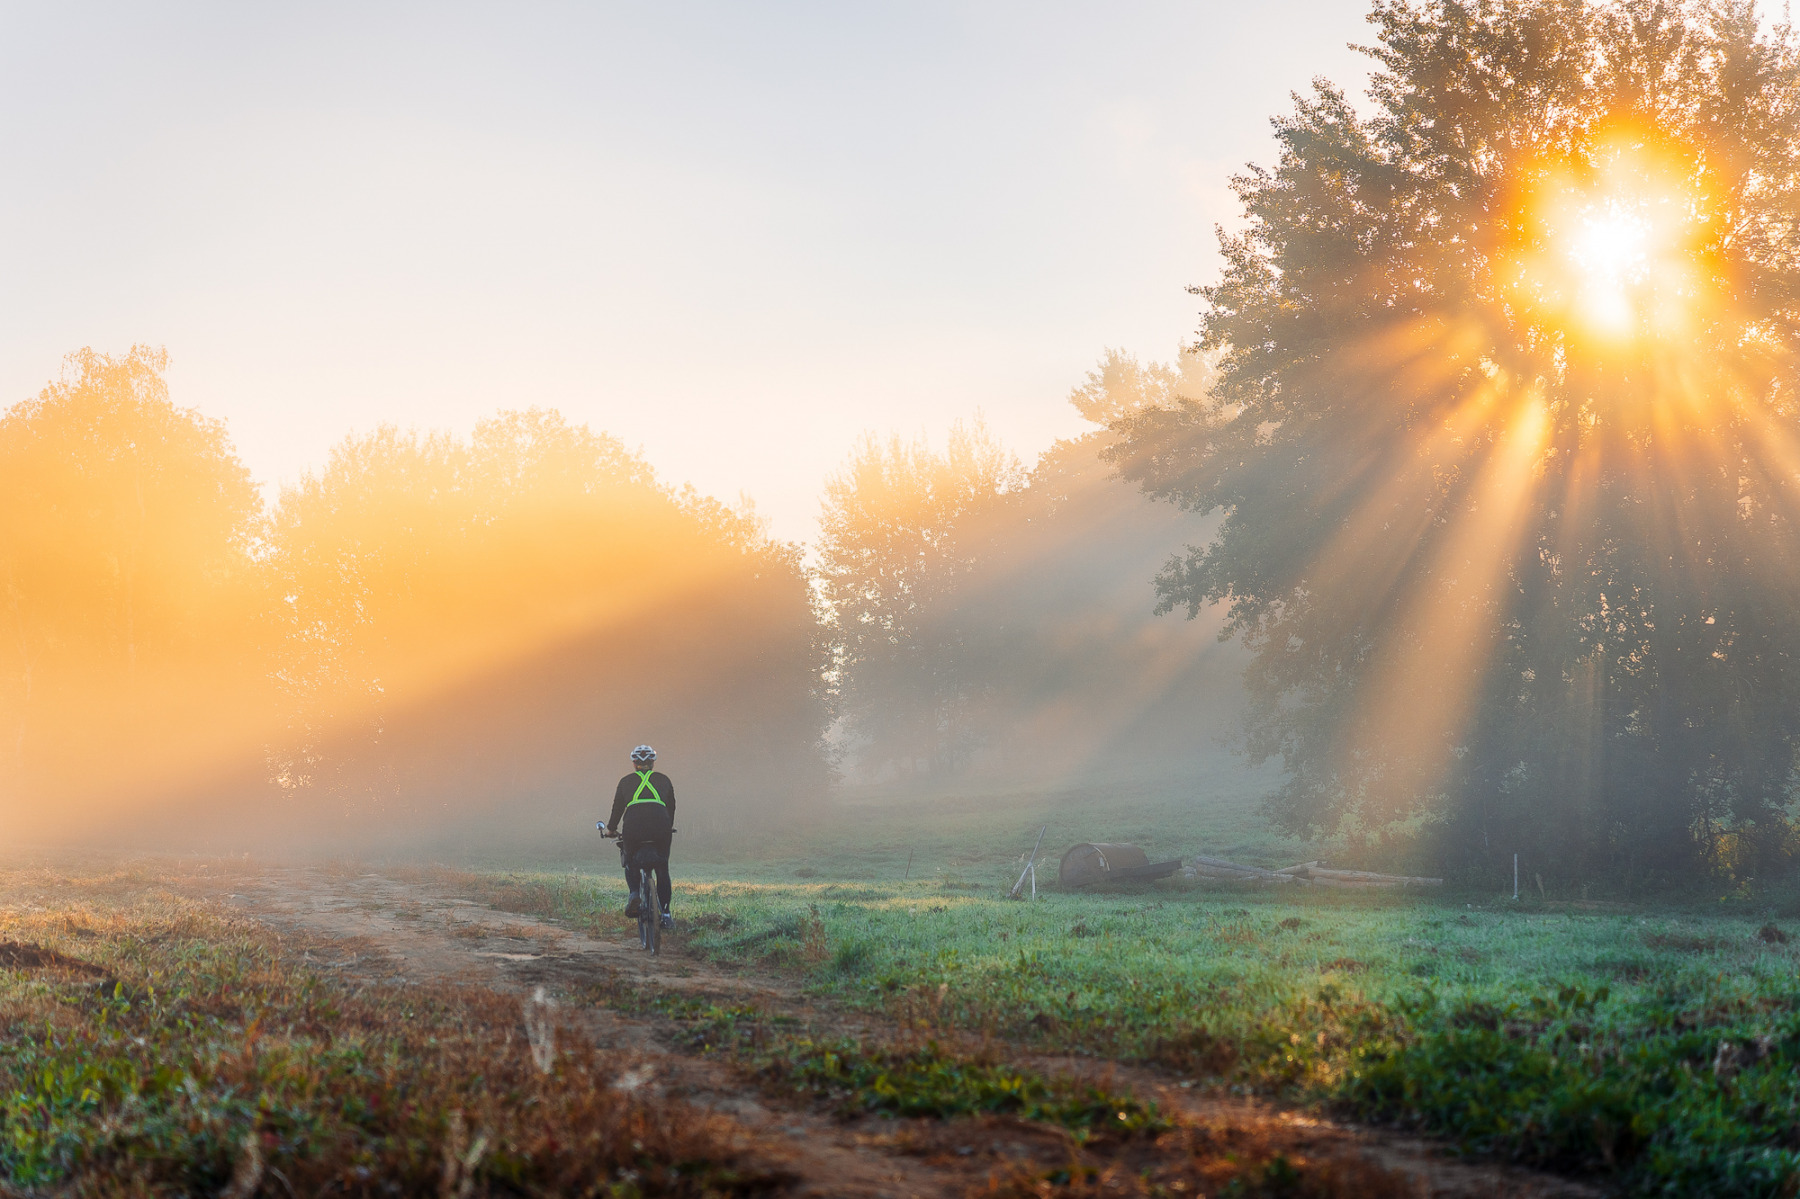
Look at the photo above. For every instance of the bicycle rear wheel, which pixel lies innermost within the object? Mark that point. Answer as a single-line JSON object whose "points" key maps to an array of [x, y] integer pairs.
{"points": [[649, 913]]}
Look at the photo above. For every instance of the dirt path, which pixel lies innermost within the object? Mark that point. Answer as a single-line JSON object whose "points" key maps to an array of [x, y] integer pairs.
{"points": [[396, 932]]}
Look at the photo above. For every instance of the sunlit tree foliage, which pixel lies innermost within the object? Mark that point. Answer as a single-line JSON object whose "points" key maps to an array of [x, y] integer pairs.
{"points": [[429, 627], [1121, 386], [1505, 443], [475, 626], [132, 653]]}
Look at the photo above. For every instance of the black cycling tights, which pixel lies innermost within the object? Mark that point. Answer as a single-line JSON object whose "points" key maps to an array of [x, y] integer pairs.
{"points": [[663, 889], [646, 826]]}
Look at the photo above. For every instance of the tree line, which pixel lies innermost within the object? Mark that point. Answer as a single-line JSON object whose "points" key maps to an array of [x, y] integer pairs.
{"points": [[1490, 545], [434, 630], [428, 629]]}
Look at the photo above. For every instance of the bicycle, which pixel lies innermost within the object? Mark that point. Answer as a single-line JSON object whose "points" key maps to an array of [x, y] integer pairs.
{"points": [[649, 917]]}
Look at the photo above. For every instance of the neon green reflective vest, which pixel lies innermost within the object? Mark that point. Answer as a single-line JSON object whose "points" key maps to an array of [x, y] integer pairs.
{"points": [[638, 797]]}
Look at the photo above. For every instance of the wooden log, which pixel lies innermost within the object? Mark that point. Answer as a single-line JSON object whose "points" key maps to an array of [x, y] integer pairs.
{"points": [[1301, 867], [1334, 872], [1200, 862], [1234, 876], [1363, 878], [1320, 872], [1248, 880], [1378, 880]]}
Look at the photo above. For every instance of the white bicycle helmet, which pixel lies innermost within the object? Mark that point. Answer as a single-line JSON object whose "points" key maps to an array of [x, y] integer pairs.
{"points": [[643, 753]]}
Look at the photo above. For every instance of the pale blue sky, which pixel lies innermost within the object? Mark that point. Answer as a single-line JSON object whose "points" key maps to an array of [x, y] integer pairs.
{"points": [[735, 235]]}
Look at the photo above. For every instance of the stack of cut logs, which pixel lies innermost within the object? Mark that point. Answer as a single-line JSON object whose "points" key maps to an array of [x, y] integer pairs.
{"points": [[1313, 874]]}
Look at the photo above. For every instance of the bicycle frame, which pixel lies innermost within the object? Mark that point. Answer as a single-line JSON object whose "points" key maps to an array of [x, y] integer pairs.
{"points": [[649, 907]]}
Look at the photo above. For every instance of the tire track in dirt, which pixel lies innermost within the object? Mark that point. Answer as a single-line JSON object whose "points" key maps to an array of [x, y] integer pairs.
{"points": [[395, 932]]}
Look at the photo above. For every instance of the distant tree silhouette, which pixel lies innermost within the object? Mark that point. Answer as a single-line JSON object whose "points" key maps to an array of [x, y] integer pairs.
{"points": [[991, 618], [1079, 674], [901, 525]]}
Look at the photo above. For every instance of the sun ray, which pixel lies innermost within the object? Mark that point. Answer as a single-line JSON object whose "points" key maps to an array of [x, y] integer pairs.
{"points": [[1439, 640]]}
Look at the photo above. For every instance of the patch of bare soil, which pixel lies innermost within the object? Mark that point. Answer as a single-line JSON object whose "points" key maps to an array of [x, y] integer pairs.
{"points": [[387, 931]]}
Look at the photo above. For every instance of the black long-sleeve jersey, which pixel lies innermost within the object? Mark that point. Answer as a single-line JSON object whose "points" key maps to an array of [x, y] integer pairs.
{"points": [[628, 787]]}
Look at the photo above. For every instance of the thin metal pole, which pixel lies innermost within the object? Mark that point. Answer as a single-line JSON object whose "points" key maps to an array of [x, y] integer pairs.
{"points": [[908, 874], [1018, 886], [1515, 876]]}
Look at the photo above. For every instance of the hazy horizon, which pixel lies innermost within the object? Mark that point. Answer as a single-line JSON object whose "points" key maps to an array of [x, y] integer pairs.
{"points": [[662, 223]]}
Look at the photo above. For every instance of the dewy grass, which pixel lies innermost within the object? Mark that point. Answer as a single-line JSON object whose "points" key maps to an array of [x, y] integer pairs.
{"points": [[929, 1080], [188, 1055], [1646, 1044], [1653, 1047], [925, 1078], [1671, 1103]]}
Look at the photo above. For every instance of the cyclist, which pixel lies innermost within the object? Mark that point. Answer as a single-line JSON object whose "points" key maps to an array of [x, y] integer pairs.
{"points": [[643, 816]]}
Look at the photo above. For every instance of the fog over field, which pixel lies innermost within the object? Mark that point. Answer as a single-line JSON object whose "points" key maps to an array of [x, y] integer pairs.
{"points": [[438, 640], [1317, 715], [1463, 480]]}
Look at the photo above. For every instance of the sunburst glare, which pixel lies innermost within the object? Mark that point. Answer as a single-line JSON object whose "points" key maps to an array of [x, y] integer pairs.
{"points": [[1610, 249]]}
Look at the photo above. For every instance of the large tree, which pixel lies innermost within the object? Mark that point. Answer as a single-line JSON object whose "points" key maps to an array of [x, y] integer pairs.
{"points": [[1505, 437], [131, 645]]}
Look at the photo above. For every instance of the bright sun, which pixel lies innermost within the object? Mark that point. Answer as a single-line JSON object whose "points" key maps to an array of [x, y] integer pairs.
{"points": [[1610, 251], [1610, 246]]}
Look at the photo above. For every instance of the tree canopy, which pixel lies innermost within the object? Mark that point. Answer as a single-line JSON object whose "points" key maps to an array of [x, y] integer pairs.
{"points": [[131, 632], [429, 627], [1504, 438], [472, 625]]}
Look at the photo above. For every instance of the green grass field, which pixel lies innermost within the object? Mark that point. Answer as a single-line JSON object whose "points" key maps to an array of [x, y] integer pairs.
{"points": [[976, 832], [1654, 1047]]}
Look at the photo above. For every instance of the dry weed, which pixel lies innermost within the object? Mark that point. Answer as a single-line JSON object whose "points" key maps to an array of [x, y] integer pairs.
{"points": [[1198, 1161], [209, 1059], [813, 946]]}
